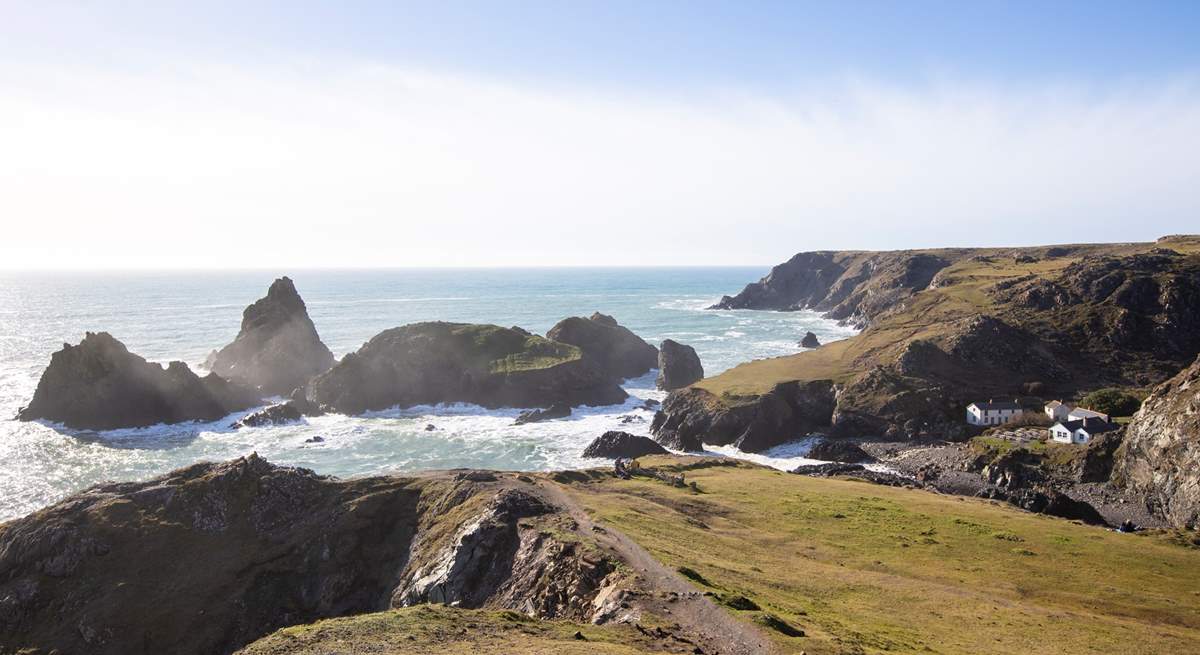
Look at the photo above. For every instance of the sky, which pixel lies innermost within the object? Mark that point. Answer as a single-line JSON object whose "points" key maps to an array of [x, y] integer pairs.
{"points": [[391, 134]]}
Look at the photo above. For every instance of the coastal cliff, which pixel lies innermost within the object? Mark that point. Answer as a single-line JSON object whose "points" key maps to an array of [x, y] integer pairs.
{"points": [[943, 328]]}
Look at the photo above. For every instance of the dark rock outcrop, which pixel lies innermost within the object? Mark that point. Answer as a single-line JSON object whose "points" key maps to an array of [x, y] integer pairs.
{"points": [[851, 286], [277, 414], [430, 363], [615, 350], [810, 340], [692, 417], [1160, 460], [559, 410], [622, 445], [678, 365], [837, 450], [1045, 500], [225, 553], [100, 385], [277, 348]]}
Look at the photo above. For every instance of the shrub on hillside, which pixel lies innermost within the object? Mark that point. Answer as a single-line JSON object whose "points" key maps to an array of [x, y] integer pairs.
{"points": [[1113, 402]]}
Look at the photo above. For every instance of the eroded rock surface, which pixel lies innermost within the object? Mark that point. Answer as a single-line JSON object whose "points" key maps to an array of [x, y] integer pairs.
{"points": [[100, 385], [622, 445], [615, 350], [678, 365], [277, 348]]}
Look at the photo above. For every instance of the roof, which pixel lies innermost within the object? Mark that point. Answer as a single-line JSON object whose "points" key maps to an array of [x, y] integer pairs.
{"points": [[1053, 404], [1001, 404], [1091, 425]]}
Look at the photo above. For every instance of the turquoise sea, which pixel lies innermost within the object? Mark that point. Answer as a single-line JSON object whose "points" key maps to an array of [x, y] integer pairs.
{"points": [[183, 315]]}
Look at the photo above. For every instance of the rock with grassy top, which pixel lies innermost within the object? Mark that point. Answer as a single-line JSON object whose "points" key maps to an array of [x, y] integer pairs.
{"points": [[277, 348], [614, 349], [437, 362], [100, 385]]}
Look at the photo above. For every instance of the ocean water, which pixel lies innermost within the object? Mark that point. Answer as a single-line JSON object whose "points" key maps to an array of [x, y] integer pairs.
{"points": [[184, 315]]}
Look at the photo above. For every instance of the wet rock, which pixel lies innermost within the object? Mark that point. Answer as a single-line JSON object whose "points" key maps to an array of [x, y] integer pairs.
{"points": [[277, 414], [622, 445], [837, 450], [316, 439], [277, 348], [429, 427], [558, 410], [678, 366], [810, 340], [614, 349], [100, 385]]}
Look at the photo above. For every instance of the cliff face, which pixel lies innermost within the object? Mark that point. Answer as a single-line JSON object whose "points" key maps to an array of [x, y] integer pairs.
{"points": [[1160, 459], [277, 348], [612, 348], [430, 363], [100, 385], [943, 328], [849, 286], [208, 558]]}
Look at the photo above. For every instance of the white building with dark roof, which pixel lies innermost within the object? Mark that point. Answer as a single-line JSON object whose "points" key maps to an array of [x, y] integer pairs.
{"points": [[1080, 430], [993, 412]]}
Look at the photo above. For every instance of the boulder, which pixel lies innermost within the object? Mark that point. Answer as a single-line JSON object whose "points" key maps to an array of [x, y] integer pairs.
{"points": [[616, 351], [837, 450], [277, 348], [622, 445], [678, 366], [100, 385], [277, 414], [827, 469], [810, 340], [488, 365], [558, 410]]}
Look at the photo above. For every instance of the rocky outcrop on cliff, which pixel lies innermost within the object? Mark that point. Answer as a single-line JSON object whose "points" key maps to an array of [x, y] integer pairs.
{"points": [[277, 348], [1160, 459], [678, 365], [692, 417], [100, 385], [622, 445], [851, 286], [430, 363], [225, 553], [615, 350]]}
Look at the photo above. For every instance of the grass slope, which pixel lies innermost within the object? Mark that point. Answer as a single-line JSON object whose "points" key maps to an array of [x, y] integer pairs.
{"points": [[450, 631], [870, 569]]}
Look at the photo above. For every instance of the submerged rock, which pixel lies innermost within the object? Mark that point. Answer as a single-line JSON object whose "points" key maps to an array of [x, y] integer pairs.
{"points": [[558, 410], [100, 385], [678, 366], [431, 363], [616, 351], [622, 445], [277, 348]]}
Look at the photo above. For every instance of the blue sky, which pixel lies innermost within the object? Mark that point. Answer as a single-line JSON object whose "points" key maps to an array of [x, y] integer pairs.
{"points": [[761, 128]]}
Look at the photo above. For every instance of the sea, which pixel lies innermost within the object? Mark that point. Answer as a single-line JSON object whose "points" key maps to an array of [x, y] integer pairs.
{"points": [[183, 315]]}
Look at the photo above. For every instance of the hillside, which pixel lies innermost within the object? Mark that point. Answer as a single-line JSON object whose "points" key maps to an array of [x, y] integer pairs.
{"points": [[858, 568], [945, 327]]}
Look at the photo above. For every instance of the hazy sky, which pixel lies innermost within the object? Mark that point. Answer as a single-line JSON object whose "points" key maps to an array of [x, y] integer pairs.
{"points": [[305, 134]]}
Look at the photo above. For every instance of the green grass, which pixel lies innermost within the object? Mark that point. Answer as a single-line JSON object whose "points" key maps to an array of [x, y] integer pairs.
{"points": [[448, 631], [865, 568]]}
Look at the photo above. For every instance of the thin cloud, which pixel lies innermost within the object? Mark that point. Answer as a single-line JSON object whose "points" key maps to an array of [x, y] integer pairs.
{"points": [[367, 165]]}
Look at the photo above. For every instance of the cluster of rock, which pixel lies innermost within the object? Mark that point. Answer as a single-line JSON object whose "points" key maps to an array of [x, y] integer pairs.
{"points": [[99, 384]]}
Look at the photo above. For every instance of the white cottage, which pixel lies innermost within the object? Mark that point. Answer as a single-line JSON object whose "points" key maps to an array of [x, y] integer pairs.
{"points": [[1057, 410], [1081, 430], [993, 412]]}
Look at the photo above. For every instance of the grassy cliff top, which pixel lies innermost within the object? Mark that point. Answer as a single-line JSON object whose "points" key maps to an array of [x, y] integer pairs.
{"points": [[867, 568], [959, 291], [488, 347]]}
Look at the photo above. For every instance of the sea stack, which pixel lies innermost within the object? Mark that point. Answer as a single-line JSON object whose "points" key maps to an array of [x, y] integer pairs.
{"points": [[678, 365], [810, 340], [613, 348], [277, 348], [100, 385]]}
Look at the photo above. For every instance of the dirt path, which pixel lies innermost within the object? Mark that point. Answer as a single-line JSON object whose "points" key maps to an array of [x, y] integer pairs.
{"points": [[714, 629]]}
